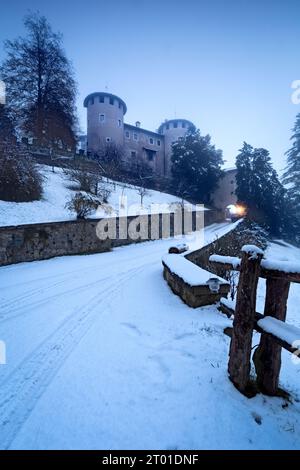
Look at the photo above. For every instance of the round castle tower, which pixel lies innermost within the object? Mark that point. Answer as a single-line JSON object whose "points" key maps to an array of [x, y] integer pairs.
{"points": [[105, 120], [173, 129]]}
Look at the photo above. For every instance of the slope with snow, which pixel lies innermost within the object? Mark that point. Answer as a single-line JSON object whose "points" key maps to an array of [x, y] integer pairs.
{"points": [[56, 193], [101, 354]]}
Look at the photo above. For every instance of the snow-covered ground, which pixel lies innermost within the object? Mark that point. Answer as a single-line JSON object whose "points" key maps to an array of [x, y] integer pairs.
{"points": [[56, 192], [101, 354]]}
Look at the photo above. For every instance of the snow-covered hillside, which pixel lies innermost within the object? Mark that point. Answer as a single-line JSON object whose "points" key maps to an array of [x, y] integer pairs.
{"points": [[56, 193], [101, 354]]}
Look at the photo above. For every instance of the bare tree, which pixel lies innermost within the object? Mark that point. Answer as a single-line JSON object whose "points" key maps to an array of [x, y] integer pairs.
{"points": [[110, 160], [183, 192], [84, 176], [40, 84], [7, 129], [20, 180], [142, 191]]}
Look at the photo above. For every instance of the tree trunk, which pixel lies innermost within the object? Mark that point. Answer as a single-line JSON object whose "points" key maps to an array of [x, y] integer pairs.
{"points": [[241, 342], [267, 357]]}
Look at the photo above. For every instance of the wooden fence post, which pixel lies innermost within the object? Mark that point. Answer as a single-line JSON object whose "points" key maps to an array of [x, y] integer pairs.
{"points": [[241, 341], [267, 357]]}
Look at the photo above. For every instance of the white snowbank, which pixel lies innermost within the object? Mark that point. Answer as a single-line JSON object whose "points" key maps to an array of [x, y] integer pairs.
{"points": [[288, 333], [189, 272]]}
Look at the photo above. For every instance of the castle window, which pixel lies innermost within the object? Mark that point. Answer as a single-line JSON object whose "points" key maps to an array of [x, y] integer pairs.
{"points": [[111, 101], [175, 125], [183, 124], [133, 154], [167, 126], [151, 141], [158, 143], [127, 135], [135, 136], [101, 118], [101, 99], [119, 123], [108, 139], [150, 154], [92, 100]]}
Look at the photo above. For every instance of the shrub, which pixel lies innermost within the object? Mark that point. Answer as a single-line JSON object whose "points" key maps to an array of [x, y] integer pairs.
{"points": [[20, 180], [104, 193], [83, 205], [85, 179]]}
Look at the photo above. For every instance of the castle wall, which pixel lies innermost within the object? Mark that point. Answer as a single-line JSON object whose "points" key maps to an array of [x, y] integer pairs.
{"points": [[224, 195], [137, 141]]}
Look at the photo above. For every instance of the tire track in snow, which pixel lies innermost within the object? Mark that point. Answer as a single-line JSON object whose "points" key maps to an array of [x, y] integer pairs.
{"points": [[8, 314], [22, 389], [42, 288]]}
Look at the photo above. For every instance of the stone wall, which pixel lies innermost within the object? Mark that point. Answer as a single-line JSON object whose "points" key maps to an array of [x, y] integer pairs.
{"points": [[229, 244], [47, 240], [193, 296]]}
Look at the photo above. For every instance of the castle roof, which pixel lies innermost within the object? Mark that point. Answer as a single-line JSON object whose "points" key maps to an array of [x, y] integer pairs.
{"points": [[170, 121], [103, 93]]}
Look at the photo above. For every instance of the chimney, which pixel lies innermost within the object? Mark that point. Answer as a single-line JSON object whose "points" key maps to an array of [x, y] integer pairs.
{"points": [[138, 124]]}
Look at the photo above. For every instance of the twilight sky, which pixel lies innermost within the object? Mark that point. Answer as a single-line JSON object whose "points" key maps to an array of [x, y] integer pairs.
{"points": [[225, 65]]}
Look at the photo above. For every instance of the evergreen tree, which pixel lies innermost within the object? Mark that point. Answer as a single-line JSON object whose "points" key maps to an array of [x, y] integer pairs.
{"points": [[259, 188], [291, 177], [40, 85], [196, 164]]}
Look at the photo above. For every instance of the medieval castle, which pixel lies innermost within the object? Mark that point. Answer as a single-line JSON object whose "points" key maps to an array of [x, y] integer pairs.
{"points": [[105, 123]]}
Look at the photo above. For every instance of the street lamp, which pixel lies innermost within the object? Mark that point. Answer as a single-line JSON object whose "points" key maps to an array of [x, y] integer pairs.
{"points": [[214, 284]]}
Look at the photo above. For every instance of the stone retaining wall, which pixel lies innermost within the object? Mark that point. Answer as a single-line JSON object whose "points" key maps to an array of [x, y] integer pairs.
{"points": [[47, 240]]}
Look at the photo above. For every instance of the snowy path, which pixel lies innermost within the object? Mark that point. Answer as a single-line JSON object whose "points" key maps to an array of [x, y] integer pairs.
{"points": [[100, 354]]}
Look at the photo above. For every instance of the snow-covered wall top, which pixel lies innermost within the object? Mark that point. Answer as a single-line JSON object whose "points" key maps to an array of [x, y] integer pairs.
{"points": [[189, 272]]}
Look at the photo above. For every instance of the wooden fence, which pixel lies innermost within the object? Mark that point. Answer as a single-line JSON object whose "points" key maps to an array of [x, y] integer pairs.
{"points": [[267, 356]]}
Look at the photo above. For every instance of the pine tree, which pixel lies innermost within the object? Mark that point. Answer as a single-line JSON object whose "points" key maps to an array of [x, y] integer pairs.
{"points": [[40, 85], [291, 176], [243, 165], [259, 188], [196, 164]]}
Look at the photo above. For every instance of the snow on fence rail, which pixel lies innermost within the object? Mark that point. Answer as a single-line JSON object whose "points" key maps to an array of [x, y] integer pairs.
{"points": [[279, 338], [275, 334], [268, 268]]}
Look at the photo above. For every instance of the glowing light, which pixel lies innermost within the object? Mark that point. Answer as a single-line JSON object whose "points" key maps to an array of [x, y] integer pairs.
{"points": [[237, 210]]}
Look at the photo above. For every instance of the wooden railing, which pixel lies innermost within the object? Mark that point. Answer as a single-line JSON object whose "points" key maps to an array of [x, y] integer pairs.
{"points": [[267, 356]]}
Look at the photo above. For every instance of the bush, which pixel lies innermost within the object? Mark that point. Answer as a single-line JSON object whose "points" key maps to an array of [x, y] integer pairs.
{"points": [[84, 177], [104, 193], [82, 205], [20, 180]]}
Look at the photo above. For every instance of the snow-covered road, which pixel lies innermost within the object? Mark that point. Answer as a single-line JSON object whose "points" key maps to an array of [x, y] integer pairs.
{"points": [[101, 354]]}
